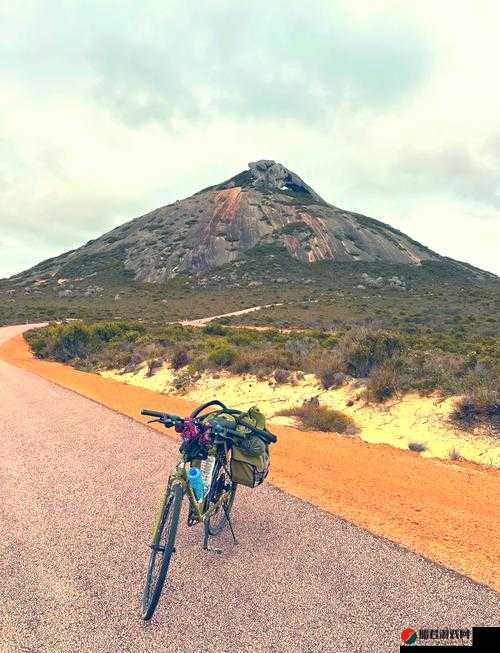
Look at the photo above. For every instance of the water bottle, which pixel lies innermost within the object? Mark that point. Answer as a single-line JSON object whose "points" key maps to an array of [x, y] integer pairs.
{"points": [[194, 479], [207, 470]]}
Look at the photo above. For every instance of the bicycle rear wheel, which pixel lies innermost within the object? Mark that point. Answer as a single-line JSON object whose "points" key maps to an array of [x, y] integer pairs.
{"points": [[161, 550], [220, 483]]}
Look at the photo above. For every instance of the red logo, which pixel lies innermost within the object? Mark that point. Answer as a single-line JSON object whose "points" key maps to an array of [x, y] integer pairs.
{"points": [[408, 636]]}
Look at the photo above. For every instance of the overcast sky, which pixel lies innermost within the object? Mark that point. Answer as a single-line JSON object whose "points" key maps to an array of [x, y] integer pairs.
{"points": [[109, 109]]}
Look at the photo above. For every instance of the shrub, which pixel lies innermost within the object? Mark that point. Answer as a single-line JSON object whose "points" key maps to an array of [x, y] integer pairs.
{"points": [[64, 342], [132, 364], [454, 454], [214, 329], [152, 365], [115, 356], [426, 371], [243, 364], [243, 338], [418, 447], [106, 331], [222, 356], [260, 361], [281, 376], [300, 347], [383, 383], [481, 405], [180, 358], [182, 380], [320, 418], [329, 368], [362, 349]]}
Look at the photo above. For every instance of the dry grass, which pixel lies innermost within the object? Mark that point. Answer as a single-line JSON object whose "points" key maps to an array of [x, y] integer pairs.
{"points": [[320, 418], [454, 454], [383, 383], [479, 406]]}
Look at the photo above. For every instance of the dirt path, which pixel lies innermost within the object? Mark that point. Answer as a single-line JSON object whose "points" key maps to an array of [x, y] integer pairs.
{"points": [[80, 484], [205, 320]]}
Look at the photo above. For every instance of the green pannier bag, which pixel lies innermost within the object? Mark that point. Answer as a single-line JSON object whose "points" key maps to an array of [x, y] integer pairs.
{"points": [[250, 455], [249, 462], [247, 469]]}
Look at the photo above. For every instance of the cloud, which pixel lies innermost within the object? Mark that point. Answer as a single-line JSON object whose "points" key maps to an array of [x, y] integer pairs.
{"points": [[286, 62], [453, 170], [108, 110]]}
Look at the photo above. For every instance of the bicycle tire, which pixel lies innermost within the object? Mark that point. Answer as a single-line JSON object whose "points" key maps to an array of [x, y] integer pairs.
{"points": [[216, 523], [165, 537]]}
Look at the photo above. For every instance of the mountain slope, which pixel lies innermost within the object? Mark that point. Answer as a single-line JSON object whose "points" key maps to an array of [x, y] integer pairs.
{"points": [[262, 237], [266, 205]]}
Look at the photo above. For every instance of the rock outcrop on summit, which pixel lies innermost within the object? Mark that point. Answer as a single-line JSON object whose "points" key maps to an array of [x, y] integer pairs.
{"points": [[266, 206]]}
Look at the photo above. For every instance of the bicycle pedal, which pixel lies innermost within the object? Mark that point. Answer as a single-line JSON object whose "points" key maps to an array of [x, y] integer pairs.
{"points": [[209, 548]]}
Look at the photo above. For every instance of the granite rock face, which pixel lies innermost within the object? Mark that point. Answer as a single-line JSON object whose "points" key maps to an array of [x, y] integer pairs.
{"points": [[263, 207]]}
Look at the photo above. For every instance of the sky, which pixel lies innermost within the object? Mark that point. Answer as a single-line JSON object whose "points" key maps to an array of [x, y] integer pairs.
{"points": [[109, 109]]}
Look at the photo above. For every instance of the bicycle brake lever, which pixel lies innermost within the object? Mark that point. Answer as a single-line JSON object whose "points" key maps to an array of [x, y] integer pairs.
{"points": [[151, 421]]}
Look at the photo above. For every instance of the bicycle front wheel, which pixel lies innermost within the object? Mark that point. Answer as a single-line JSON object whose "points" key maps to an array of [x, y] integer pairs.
{"points": [[220, 483], [162, 548]]}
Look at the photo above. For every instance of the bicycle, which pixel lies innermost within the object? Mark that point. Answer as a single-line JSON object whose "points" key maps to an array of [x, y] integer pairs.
{"points": [[214, 509]]}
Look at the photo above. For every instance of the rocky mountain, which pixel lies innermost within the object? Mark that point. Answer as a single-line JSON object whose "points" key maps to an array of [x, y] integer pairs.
{"points": [[262, 209]]}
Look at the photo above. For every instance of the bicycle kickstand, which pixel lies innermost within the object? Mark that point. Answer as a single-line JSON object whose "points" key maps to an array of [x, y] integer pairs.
{"points": [[207, 547], [230, 525]]}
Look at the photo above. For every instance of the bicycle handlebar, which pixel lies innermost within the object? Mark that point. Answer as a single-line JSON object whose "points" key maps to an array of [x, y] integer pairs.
{"points": [[265, 435], [151, 413], [170, 420], [164, 418]]}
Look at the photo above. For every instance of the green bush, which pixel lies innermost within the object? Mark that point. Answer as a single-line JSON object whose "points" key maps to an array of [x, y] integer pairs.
{"points": [[106, 331], [363, 349], [243, 338], [222, 356], [78, 340], [214, 329], [429, 371], [183, 379]]}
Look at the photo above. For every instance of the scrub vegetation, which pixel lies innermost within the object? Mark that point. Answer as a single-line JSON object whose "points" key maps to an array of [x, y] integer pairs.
{"points": [[389, 363]]}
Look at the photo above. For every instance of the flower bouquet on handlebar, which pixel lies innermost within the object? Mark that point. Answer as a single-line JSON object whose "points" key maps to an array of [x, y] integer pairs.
{"points": [[219, 449]]}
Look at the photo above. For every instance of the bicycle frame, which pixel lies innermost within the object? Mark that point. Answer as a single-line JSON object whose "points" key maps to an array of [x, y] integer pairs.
{"points": [[180, 476]]}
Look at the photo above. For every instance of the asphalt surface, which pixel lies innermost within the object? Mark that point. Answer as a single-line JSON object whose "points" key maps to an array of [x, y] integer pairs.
{"points": [[79, 487]]}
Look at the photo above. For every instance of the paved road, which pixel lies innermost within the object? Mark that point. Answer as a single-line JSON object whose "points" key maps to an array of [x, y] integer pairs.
{"points": [[79, 486]]}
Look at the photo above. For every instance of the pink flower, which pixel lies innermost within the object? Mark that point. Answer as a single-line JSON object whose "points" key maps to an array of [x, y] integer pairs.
{"points": [[191, 431]]}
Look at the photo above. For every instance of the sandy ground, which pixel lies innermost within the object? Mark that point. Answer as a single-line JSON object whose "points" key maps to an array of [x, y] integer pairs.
{"points": [[448, 512], [413, 419]]}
